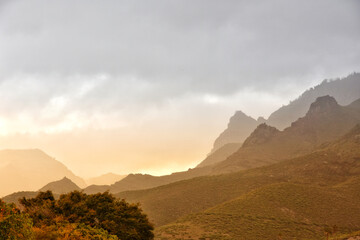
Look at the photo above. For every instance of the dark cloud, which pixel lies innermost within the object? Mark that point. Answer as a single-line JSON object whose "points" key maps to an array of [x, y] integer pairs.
{"points": [[205, 46]]}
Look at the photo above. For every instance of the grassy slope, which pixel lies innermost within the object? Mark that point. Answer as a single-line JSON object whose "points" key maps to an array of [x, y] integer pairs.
{"points": [[289, 210]]}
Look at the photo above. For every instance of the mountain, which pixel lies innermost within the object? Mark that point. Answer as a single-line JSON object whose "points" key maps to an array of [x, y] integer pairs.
{"points": [[29, 170], [328, 166], [62, 186], [239, 128], [325, 121], [105, 179], [345, 91], [220, 154]]}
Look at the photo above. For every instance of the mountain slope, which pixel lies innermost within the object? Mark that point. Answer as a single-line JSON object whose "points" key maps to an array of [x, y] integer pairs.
{"points": [[220, 154], [332, 164], [325, 121], [29, 170], [62, 186]]}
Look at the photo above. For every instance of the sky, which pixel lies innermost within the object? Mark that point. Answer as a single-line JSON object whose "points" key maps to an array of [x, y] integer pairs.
{"points": [[147, 86]]}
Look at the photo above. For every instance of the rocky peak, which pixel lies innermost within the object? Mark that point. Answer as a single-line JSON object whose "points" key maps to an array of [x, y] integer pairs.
{"points": [[261, 120], [260, 135], [323, 105], [239, 119]]}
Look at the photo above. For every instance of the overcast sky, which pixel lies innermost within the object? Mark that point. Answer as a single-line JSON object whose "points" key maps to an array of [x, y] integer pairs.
{"points": [[146, 86]]}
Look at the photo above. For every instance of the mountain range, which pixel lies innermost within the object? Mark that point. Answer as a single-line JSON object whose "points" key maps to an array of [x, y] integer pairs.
{"points": [[29, 170], [344, 90]]}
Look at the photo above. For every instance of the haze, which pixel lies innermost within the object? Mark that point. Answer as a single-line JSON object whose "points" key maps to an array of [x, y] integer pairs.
{"points": [[140, 86]]}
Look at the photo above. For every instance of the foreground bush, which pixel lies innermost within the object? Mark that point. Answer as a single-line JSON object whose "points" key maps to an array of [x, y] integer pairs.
{"points": [[100, 215], [14, 225]]}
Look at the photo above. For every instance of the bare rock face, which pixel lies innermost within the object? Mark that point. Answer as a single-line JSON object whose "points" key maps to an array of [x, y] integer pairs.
{"points": [[323, 105]]}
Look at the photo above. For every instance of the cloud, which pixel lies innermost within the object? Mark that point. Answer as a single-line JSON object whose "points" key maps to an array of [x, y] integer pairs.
{"points": [[78, 65], [208, 46]]}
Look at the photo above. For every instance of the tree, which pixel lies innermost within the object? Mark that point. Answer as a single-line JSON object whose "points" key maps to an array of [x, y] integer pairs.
{"points": [[14, 225], [97, 211]]}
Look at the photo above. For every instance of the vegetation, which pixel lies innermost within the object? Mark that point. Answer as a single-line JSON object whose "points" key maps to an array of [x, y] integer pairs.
{"points": [[77, 214], [14, 225], [73, 216]]}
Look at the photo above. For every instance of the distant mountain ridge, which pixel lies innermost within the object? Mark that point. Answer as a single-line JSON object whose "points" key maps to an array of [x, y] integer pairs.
{"points": [[325, 121], [345, 91], [105, 179], [28, 170]]}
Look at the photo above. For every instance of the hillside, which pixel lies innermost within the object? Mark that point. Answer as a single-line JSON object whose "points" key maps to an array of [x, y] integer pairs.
{"points": [[286, 210], [62, 186], [325, 121], [333, 164], [29, 170]]}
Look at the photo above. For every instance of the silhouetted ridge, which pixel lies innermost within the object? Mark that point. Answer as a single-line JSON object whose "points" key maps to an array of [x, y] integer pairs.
{"points": [[344, 90], [261, 134], [239, 128], [30, 169]]}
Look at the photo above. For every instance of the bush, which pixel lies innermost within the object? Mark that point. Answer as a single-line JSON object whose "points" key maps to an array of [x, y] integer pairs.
{"points": [[96, 211], [14, 225]]}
